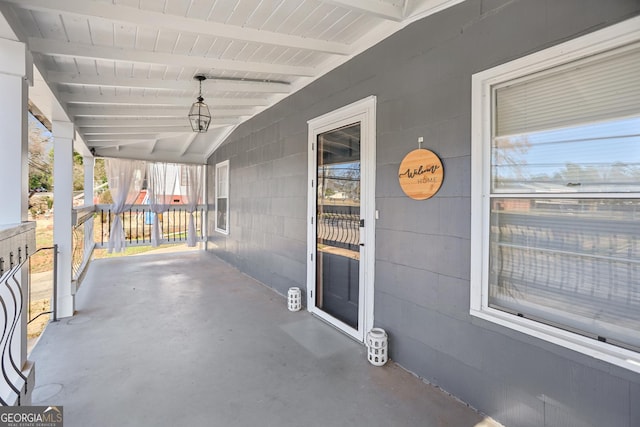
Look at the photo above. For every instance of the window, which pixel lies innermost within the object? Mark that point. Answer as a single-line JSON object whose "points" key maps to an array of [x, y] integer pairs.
{"points": [[556, 215], [222, 197]]}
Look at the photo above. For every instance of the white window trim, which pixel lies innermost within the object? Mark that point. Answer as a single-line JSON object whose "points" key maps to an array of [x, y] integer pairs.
{"points": [[221, 165], [596, 42]]}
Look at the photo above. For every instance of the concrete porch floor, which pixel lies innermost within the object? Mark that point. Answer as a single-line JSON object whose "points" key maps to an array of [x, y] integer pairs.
{"points": [[184, 339]]}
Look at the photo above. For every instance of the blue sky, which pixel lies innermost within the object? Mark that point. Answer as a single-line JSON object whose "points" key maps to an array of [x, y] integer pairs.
{"points": [[606, 142], [600, 144]]}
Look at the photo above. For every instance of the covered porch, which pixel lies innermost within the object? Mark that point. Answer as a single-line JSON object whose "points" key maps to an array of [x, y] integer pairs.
{"points": [[493, 289], [156, 343]]}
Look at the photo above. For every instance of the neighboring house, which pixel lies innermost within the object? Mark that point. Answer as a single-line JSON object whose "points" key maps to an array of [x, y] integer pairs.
{"points": [[176, 195]]}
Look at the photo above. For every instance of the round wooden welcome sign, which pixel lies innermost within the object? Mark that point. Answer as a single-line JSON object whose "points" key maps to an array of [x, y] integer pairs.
{"points": [[421, 174]]}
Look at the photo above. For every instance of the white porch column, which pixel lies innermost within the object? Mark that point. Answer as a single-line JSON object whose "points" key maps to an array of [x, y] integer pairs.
{"points": [[205, 202], [89, 165], [63, 134], [16, 69], [14, 145]]}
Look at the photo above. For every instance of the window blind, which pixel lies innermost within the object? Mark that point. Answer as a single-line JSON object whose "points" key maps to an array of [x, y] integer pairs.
{"points": [[598, 88], [572, 263]]}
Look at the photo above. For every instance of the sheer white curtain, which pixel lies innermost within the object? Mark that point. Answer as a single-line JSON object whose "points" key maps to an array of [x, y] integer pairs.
{"points": [[125, 181], [193, 177], [161, 181]]}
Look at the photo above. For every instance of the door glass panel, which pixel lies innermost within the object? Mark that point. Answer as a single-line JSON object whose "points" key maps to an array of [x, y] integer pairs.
{"points": [[338, 224]]}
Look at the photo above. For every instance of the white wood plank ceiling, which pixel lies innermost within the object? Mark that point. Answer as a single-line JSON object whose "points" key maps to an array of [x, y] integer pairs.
{"points": [[123, 70]]}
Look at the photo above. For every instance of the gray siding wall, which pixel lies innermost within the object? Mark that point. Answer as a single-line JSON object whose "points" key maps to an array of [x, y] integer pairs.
{"points": [[422, 78]]}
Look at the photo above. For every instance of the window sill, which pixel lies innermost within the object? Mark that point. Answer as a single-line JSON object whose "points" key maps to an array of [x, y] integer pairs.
{"points": [[599, 350]]}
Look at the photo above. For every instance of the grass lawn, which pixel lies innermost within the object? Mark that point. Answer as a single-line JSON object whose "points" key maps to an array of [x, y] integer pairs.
{"points": [[43, 260]]}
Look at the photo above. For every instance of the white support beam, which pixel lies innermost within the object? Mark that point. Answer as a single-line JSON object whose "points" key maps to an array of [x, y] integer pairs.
{"points": [[128, 152], [78, 98], [188, 143], [218, 141], [153, 147], [98, 139], [212, 84], [80, 146], [151, 111], [128, 112], [86, 123], [133, 140], [112, 130], [123, 142], [100, 145], [372, 7], [92, 139], [100, 53], [418, 9], [181, 24]]}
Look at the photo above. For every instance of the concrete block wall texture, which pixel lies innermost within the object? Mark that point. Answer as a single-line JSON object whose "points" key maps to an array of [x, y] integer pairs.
{"points": [[422, 79]]}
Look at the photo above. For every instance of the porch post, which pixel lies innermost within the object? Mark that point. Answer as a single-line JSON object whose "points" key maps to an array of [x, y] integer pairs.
{"points": [[63, 134], [16, 70], [89, 164], [205, 201], [14, 145]]}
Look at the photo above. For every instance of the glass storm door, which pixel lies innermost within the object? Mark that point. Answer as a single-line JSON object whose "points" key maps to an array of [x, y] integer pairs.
{"points": [[337, 287], [341, 207]]}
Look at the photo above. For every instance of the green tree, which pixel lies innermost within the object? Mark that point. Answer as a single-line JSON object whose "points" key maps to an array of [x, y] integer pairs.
{"points": [[100, 172], [40, 165], [78, 172], [100, 177]]}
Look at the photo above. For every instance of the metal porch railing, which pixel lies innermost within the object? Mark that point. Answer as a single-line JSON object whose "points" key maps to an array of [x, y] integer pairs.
{"points": [[48, 304], [339, 226], [138, 220]]}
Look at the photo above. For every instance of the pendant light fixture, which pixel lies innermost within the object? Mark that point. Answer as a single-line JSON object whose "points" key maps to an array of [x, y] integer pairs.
{"points": [[199, 115]]}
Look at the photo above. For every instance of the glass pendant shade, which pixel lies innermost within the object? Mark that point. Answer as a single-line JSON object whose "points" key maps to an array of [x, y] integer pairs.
{"points": [[199, 116]]}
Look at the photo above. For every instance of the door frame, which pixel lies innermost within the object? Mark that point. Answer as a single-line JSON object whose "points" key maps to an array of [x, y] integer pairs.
{"points": [[364, 112]]}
